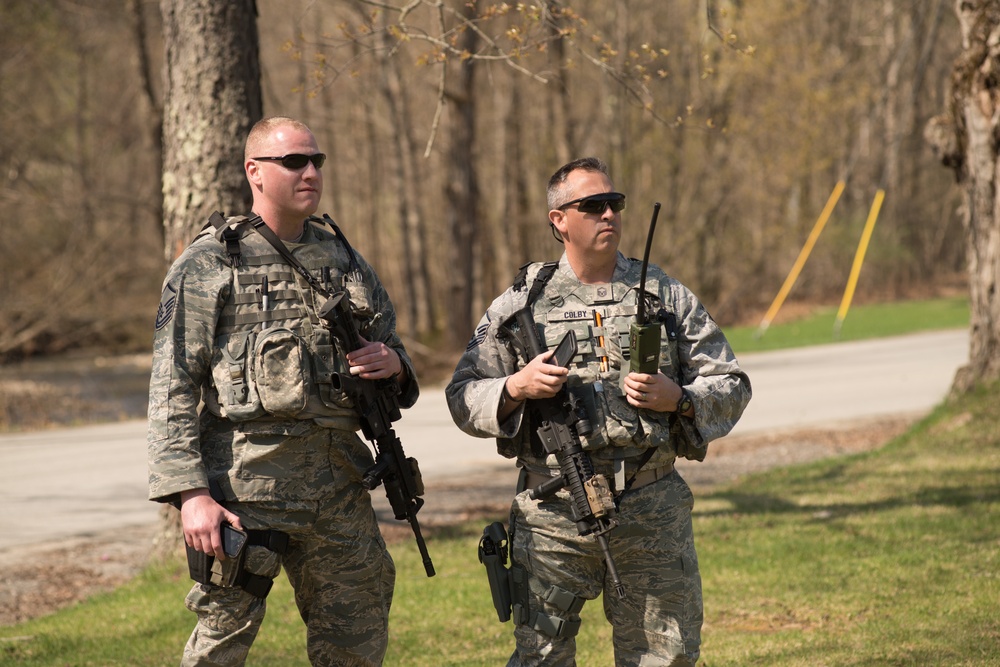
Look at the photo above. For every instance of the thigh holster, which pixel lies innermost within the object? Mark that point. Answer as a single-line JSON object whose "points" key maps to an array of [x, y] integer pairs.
{"points": [[513, 591], [257, 584], [551, 624], [232, 572]]}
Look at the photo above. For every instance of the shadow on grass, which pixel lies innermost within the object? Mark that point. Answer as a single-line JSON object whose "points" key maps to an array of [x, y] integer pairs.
{"points": [[936, 496]]}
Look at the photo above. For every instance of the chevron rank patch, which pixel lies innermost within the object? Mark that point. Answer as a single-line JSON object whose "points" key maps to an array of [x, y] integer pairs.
{"points": [[478, 336], [166, 310]]}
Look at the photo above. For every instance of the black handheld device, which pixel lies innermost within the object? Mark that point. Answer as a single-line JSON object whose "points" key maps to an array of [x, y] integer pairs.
{"points": [[233, 540], [205, 570]]}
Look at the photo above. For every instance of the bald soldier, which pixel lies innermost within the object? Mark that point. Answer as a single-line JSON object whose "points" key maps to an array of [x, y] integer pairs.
{"points": [[268, 473]]}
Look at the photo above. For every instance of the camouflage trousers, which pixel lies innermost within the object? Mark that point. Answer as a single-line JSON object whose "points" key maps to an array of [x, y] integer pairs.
{"points": [[658, 622], [341, 573]]}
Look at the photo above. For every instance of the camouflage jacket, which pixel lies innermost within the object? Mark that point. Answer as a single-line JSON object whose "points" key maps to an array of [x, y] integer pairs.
{"points": [[215, 344], [696, 355]]}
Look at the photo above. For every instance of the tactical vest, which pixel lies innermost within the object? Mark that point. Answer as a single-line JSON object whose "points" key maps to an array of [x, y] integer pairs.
{"points": [[275, 357], [600, 316]]}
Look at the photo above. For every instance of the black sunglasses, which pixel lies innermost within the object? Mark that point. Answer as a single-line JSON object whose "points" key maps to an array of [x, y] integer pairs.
{"points": [[296, 161], [598, 203]]}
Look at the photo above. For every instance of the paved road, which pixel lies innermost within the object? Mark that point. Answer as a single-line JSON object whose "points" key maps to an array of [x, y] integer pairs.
{"points": [[82, 481]]}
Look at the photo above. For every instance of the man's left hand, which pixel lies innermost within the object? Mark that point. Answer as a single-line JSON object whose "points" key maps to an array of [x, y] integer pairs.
{"points": [[652, 392], [374, 361]]}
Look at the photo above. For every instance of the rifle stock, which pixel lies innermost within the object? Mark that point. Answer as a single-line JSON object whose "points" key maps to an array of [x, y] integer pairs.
{"points": [[378, 406]]}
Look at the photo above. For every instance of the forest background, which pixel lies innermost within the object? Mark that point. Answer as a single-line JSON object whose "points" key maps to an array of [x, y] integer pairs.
{"points": [[740, 118]]}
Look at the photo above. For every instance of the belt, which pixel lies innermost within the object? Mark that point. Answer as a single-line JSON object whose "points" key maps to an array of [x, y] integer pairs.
{"points": [[645, 477], [530, 479]]}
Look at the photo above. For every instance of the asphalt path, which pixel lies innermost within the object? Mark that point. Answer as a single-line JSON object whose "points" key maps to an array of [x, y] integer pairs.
{"points": [[77, 482]]}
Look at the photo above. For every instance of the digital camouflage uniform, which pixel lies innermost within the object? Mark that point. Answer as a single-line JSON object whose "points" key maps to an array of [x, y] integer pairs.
{"points": [[659, 621], [274, 441]]}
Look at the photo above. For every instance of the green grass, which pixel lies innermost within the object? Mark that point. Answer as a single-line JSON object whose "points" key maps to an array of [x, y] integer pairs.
{"points": [[887, 558], [862, 322]]}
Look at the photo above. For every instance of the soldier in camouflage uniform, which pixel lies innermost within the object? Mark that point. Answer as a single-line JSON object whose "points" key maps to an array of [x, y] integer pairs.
{"points": [[642, 422], [274, 449]]}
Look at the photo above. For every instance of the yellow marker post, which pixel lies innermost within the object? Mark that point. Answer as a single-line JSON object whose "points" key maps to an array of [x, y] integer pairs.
{"points": [[800, 262], [859, 258]]}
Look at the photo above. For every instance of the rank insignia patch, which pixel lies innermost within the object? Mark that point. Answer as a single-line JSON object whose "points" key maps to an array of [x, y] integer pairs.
{"points": [[166, 310], [602, 293], [478, 337]]}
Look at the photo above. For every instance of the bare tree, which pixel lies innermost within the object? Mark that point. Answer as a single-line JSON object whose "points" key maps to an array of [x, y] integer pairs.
{"points": [[153, 105], [965, 137], [463, 189], [211, 100], [742, 145]]}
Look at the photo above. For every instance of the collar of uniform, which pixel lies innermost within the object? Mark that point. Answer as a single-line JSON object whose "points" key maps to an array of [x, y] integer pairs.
{"points": [[623, 267], [568, 290]]}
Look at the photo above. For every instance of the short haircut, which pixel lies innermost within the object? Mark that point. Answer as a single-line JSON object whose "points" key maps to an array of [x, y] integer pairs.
{"points": [[555, 193], [263, 128]]}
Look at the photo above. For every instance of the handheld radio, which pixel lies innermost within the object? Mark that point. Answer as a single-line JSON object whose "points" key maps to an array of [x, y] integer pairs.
{"points": [[643, 336]]}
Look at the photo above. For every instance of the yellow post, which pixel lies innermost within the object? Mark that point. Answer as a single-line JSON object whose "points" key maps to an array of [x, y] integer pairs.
{"points": [[859, 258], [800, 262]]}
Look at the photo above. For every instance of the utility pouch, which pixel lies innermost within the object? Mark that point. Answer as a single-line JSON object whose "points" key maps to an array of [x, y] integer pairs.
{"points": [[207, 569], [232, 375], [360, 293], [282, 372], [493, 554]]}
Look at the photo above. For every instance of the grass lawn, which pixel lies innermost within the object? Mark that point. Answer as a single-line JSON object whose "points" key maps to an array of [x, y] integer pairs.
{"points": [[887, 558], [862, 322], [884, 558]]}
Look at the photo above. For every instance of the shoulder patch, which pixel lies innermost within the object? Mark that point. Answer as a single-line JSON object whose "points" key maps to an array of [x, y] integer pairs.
{"points": [[478, 336], [165, 312]]}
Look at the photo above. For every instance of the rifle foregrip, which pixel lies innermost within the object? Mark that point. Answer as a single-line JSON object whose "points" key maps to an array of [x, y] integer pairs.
{"points": [[547, 488]]}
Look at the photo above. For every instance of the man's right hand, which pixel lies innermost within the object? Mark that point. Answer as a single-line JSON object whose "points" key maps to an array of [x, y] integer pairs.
{"points": [[539, 379], [201, 520]]}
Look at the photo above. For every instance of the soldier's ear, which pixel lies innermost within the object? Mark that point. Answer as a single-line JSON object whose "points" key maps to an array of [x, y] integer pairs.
{"points": [[253, 172], [557, 219]]}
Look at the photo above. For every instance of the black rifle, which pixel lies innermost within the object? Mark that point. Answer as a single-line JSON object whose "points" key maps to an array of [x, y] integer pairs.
{"points": [[377, 405], [563, 422]]}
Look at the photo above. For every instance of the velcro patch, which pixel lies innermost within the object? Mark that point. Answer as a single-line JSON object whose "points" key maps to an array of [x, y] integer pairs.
{"points": [[478, 336], [165, 312]]}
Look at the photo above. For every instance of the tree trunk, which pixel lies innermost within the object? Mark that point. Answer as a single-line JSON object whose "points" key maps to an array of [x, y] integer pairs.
{"points": [[463, 193], [212, 97], [153, 110], [965, 138], [561, 118], [418, 291]]}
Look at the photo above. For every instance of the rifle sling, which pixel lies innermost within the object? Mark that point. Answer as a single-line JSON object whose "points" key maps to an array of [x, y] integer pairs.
{"points": [[261, 228]]}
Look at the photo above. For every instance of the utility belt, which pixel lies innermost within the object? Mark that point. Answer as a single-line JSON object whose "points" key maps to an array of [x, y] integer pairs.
{"points": [[232, 572]]}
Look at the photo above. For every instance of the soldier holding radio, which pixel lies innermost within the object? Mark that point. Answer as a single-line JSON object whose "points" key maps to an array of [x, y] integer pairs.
{"points": [[652, 377]]}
